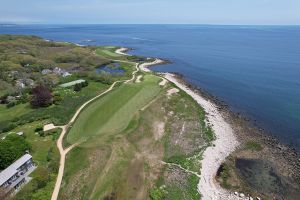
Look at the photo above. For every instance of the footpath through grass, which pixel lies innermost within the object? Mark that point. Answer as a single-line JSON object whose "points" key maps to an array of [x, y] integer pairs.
{"points": [[112, 113]]}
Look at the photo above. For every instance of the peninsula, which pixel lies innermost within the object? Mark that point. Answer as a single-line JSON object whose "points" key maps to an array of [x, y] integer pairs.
{"points": [[100, 124]]}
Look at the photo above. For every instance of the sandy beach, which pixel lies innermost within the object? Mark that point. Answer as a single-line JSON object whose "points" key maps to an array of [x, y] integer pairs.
{"points": [[144, 66], [225, 142], [122, 51]]}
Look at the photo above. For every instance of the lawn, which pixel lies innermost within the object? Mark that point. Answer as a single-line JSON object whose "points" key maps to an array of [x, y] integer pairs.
{"points": [[11, 113], [58, 114], [46, 156], [112, 113]]}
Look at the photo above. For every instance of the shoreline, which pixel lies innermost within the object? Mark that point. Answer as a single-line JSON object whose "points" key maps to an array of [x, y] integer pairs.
{"points": [[240, 130], [123, 51], [224, 144]]}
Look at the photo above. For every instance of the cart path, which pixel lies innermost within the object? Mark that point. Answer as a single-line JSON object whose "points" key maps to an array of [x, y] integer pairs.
{"points": [[63, 151]]}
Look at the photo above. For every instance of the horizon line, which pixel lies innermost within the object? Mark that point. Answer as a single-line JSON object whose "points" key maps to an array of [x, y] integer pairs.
{"points": [[201, 24]]}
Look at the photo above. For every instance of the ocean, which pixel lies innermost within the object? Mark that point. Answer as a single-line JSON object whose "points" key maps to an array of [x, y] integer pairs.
{"points": [[254, 69]]}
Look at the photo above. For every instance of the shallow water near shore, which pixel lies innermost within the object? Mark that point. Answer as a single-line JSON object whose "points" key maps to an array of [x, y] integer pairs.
{"points": [[262, 176], [254, 69]]}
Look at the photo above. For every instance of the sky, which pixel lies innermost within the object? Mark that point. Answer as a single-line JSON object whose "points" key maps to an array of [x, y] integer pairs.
{"points": [[256, 12]]}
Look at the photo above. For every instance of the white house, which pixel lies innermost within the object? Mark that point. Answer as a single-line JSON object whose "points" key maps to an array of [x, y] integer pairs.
{"points": [[17, 174]]}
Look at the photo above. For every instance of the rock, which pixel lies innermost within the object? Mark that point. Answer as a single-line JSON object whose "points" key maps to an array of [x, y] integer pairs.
{"points": [[242, 195], [257, 198], [250, 198], [236, 193]]}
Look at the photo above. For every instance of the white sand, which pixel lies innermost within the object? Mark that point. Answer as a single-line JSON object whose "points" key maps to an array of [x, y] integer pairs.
{"points": [[122, 51], [144, 66], [138, 79], [163, 82], [224, 144]]}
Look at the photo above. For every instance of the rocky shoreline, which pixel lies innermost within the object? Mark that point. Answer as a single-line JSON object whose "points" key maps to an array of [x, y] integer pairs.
{"points": [[284, 158]]}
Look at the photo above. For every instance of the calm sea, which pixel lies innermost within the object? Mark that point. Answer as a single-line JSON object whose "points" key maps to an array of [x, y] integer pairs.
{"points": [[254, 69]]}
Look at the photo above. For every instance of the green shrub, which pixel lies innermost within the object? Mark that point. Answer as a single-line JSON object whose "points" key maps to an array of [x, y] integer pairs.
{"points": [[158, 193], [254, 146], [38, 129]]}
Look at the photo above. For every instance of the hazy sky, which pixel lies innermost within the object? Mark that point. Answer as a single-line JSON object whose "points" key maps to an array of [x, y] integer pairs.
{"points": [[151, 11]]}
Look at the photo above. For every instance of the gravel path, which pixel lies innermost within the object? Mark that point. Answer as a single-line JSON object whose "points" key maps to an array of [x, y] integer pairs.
{"points": [[63, 151]]}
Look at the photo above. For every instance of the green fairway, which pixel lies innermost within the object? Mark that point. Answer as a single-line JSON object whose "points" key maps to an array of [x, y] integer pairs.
{"points": [[107, 52], [112, 113]]}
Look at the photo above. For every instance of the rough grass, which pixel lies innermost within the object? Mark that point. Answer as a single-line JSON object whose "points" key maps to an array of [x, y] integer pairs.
{"points": [[112, 113]]}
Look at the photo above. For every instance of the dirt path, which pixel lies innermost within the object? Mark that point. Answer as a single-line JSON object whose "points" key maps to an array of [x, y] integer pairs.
{"points": [[63, 151]]}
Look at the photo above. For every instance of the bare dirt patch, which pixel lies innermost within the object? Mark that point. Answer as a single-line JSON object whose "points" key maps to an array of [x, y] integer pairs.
{"points": [[158, 129], [172, 91]]}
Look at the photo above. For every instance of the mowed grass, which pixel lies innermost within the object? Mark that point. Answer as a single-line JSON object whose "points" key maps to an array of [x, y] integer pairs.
{"points": [[112, 113], [107, 52]]}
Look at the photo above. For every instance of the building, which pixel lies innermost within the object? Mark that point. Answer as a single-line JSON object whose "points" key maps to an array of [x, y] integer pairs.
{"points": [[17, 174]]}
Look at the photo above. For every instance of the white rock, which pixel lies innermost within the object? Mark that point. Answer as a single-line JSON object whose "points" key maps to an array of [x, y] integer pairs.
{"points": [[242, 195], [257, 198], [236, 193]]}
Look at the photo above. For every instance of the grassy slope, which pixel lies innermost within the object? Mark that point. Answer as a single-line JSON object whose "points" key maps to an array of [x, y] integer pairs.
{"points": [[97, 125], [122, 149], [112, 113]]}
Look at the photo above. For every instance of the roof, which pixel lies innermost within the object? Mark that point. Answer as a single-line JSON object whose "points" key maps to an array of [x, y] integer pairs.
{"points": [[12, 169]]}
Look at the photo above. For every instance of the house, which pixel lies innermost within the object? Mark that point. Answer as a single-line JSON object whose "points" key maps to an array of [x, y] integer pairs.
{"points": [[20, 133], [16, 174], [20, 83], [46, 71], [61, 72]]}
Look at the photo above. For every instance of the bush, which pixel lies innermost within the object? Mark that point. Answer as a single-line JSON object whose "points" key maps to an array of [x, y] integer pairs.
{"points": [[158, 193], [39, 128], [11, 104], [57, 99], [79, 86]]}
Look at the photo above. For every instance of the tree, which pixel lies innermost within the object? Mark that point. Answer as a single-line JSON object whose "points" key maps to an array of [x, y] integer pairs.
{"points": [[77, 87], [12, 148], [42, 97]]}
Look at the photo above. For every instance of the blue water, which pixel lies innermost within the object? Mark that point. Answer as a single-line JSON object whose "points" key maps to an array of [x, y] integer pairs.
{"points": [[115, 69], [255, 69]]}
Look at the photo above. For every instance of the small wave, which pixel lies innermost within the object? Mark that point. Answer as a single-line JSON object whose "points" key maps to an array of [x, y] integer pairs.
{"points": [[136, 38]]}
